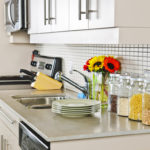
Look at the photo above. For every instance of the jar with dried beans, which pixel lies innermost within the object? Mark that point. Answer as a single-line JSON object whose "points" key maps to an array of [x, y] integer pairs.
{"points": [[113, 92]]}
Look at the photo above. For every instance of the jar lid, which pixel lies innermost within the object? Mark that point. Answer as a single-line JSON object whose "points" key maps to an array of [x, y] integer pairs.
{"points": [[146, 71], [114, 75], [139, 79], [147, 81], [124, 77]]}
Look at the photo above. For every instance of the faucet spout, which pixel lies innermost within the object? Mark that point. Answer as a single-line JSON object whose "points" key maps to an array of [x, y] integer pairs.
{"points": [[85, 89]]}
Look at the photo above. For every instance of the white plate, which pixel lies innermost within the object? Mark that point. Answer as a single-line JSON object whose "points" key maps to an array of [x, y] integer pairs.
{"points": [[75, 107], [75, 103], [77, 110]]}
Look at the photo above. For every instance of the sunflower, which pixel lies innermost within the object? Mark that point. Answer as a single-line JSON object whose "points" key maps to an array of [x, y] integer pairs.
{"points": [[111, 64], [96, 63]]}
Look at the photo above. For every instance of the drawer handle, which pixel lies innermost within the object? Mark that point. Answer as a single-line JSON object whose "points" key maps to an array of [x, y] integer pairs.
{"points": [[2, 139], [4, 115]]}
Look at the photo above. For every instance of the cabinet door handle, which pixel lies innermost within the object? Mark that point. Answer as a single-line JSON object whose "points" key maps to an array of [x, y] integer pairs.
{"points": [[79, 9], [44, 12], [82, 12], [4, 115], [49, 17], [50, 11], [92, 11], [2, 138]]}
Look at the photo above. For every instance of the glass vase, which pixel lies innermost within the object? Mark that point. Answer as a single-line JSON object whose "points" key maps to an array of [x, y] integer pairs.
{"points": [[100, 88]]}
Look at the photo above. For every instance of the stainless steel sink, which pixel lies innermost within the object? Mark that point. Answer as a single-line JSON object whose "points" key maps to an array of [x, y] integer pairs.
{"points": [[39, 102]]}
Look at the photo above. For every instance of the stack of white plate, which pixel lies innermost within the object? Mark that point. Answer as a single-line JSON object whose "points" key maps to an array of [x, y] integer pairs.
{"points": [[75, 107]]}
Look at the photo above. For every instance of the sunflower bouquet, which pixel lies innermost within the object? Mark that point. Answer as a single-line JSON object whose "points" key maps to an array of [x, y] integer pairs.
{"points": [[101, 66]]}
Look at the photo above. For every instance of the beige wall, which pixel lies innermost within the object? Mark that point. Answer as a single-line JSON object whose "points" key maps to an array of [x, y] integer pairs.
{"points": [[12, 56]]}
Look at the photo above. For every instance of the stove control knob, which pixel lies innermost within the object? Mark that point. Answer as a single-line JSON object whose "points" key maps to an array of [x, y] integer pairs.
{"points": [[33, 63], [48, 66]]}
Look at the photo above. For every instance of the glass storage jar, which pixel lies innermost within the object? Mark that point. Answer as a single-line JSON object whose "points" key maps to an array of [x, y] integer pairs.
{"points": [[135, 99], [146, 103], [113, 92], [123, 95], [146, 74]]}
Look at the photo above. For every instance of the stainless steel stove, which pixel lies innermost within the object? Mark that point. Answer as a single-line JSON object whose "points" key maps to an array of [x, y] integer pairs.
{"points": [[14, 82], [39, 63]]}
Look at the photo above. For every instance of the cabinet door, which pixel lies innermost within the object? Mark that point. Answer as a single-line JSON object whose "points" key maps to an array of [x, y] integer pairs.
{"points": [[101, 13], [38, 16], [78, 15], [34, 15], [8, 140], [50, 15], [60, 11]]}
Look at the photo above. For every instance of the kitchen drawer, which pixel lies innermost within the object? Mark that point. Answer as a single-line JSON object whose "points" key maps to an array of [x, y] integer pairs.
{"points": [[8, 139], [9, 119]]}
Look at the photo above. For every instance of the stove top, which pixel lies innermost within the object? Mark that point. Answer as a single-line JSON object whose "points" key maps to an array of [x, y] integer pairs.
{"points": [[15, 82], [15, 77]]}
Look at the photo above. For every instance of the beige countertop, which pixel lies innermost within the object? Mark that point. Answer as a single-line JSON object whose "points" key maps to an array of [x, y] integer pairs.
{"points": [[53, 127]]}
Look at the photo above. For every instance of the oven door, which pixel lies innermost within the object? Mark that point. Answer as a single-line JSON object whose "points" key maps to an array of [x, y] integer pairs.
{"points": [[15, 14], [30, 140]]}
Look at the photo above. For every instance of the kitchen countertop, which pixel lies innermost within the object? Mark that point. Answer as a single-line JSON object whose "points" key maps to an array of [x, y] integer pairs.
{"points": [[53, 127]]}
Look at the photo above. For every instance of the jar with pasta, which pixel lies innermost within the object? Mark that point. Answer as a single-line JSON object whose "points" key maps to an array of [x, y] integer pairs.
{"points": [[113, 92], [123, 95], [146, 103], [135, 99]]}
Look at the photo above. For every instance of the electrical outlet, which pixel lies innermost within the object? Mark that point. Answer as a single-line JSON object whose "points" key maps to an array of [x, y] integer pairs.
{"points": [[70, 67]]}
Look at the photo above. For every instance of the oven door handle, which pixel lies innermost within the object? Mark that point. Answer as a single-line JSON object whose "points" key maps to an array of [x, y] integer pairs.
{"points": [[32, 135], [9, 13]]}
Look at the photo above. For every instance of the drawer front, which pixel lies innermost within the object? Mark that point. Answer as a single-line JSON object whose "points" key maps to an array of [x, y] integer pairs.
{"points": [[9, 119], [8, 141]]}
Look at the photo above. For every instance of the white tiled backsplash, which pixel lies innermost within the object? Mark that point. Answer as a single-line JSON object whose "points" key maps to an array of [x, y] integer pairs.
{"points": [[134, 58]]}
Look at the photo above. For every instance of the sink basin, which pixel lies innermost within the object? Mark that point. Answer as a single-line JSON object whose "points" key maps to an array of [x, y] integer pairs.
{"points": [[39, 102]]}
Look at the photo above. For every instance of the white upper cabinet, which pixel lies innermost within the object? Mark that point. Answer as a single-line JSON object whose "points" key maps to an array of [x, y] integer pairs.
{"points": [[77, 15], [101, 13], [34, 16], [91, 14], [48, 16], [87, 14], [60, 13], [90, 21]]}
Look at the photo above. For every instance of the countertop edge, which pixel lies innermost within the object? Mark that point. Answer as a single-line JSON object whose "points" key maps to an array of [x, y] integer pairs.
{"points": [[91, 136]]}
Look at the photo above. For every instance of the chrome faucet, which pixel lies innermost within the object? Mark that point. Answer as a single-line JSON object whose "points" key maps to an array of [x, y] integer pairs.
{"points": [[85, 89]]}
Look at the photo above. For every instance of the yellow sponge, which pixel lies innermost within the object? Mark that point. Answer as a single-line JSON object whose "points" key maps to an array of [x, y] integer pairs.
{"points": [[44, 82]]}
